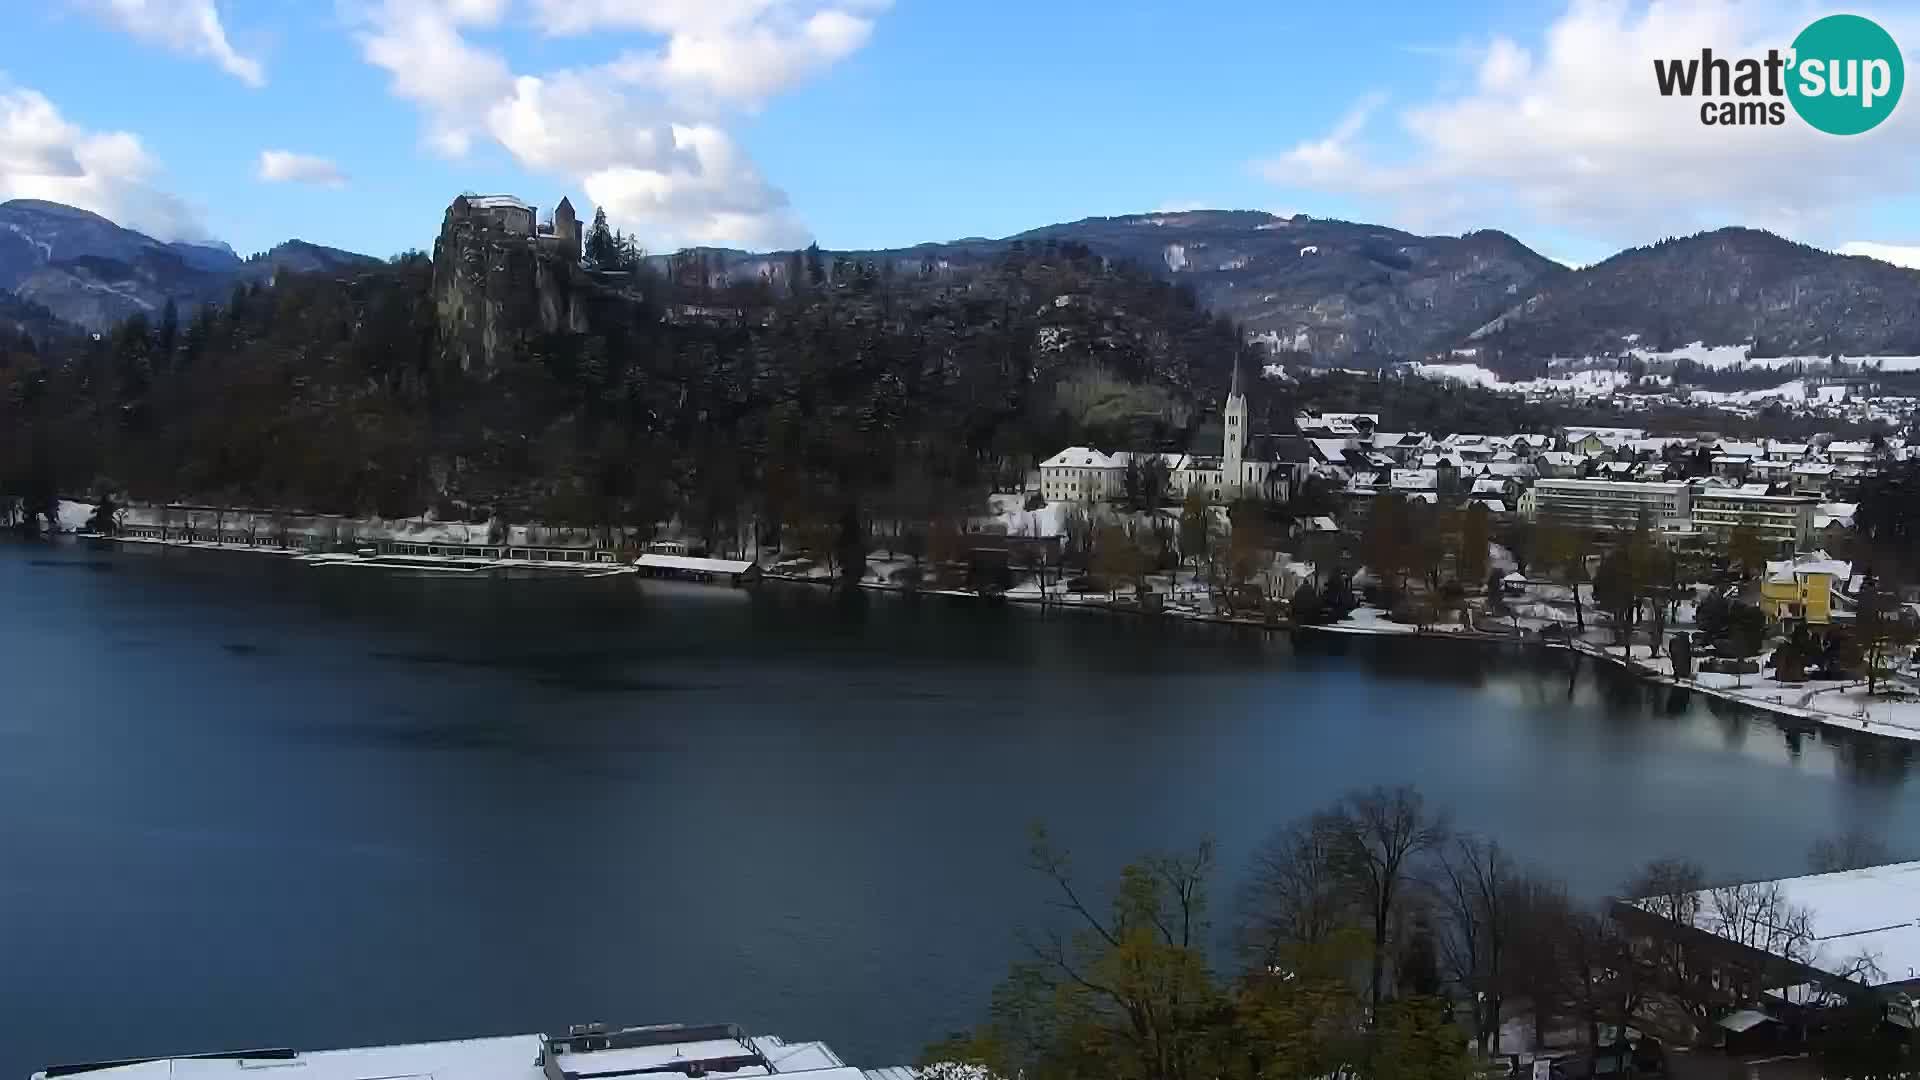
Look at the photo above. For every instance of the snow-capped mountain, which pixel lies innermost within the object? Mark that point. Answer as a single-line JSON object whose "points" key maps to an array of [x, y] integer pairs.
{"points": [[92, 273]]}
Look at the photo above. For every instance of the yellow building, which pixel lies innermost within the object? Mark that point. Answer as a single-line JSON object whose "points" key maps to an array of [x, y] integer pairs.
{"points": [[1803, 590]]}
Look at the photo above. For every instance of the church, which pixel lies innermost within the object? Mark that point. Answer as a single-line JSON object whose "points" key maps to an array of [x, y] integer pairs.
{"points": [[1245, 469]]}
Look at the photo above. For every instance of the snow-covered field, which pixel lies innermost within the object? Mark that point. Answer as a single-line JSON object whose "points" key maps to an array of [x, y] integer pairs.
{"points": [[1586, 383], [1599, 376]]}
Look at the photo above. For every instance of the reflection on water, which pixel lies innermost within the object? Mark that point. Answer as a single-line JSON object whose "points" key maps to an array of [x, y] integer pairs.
{"points": [[337, 806]]}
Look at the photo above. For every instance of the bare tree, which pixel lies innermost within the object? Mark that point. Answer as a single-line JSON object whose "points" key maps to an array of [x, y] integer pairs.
{"points": [[1473, 880], [1537, 963], [1294, 894], [1758, 916], [1603, 978], [1673, 889], [1381, 833], [1850, 849]]}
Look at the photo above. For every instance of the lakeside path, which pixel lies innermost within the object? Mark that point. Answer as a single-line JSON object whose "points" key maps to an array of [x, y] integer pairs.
{"points": [[1900, 720]]}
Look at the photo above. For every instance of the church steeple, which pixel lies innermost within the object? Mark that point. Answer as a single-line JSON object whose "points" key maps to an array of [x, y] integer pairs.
{"points": [[1234, 431]]}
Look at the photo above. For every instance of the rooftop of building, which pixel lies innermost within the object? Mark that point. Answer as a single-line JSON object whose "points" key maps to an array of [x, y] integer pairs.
{"points": [[1870, 912], [586, 1051]]}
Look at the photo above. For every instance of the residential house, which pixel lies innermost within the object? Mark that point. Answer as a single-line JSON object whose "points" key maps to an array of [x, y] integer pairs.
{"points": [[1802, 590], [1558, 464], [1812, 477]]}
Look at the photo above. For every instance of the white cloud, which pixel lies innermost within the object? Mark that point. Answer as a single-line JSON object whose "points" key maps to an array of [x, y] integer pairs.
{"points": [[1574, 136], [192, 27], [43, 156], [745, 64], [644, 135], [287, 167], [1907, 255]]}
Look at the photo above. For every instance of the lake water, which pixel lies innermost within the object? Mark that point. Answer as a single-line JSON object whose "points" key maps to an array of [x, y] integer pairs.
{"points": [[251, 802]]}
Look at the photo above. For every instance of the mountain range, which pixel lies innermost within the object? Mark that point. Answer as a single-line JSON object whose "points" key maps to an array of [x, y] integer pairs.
{"points": [[87, 272], [1312, 289]]}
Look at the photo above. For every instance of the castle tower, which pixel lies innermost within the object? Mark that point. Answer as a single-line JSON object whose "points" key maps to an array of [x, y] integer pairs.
{"points": [[566, 229], [1234, 452]]}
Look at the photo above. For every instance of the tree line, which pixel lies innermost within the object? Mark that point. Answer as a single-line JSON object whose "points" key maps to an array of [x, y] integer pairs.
{"points": [[1371, 938]]}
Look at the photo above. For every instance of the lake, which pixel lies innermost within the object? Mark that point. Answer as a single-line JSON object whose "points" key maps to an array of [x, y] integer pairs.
{"points": [[247, 802]]}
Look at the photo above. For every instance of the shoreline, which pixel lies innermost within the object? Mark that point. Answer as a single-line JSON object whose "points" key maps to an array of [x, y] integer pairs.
{"points": [[1855, 725], [1059, 602]]}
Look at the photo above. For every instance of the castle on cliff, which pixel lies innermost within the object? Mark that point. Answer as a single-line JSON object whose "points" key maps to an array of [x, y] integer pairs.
{"points": [[509, 215]]}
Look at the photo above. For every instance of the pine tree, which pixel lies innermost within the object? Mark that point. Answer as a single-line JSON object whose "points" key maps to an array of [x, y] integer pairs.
{"points": [[169, 334], [600, 249]]}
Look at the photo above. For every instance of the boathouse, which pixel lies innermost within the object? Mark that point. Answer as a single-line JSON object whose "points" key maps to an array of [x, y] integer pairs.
{"points": [[689, 568]]}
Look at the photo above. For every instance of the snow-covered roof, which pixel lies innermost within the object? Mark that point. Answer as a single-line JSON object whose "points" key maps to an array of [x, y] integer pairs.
{"points": [[1319, 524], [1331, 449], [512, 1057], [1741, 449], [1490, 486], [1744, 1020], [1415, 480], [498, 202], [1869, 912], [1559, 457], [1815, 563], [1813, 468], [1494, 506], [1080, 457], [688, 562]]}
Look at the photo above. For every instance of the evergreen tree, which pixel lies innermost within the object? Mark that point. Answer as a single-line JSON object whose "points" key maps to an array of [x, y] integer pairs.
{"points": [[169, 334], [600, 249]]}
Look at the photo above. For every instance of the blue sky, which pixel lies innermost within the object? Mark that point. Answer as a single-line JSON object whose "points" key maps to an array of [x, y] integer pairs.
{"points": [[862, 123]]}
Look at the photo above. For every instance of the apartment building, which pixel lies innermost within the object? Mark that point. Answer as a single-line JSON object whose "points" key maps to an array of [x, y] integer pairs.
{"points": [[1611, 504], [1780, 519]]}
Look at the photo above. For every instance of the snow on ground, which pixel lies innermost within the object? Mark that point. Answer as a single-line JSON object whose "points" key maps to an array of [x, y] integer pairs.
{"points": [[1593, 381], [1796, 390], [73, 516], [1707, 356], [1009, 509]]}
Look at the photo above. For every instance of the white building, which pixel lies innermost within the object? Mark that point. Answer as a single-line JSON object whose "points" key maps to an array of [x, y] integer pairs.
{"points": [[1084, 473], [589, 1050], [1611, 504]]}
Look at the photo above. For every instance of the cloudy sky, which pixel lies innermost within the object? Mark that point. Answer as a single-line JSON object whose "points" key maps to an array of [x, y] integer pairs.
{"points": [[862, 123]]}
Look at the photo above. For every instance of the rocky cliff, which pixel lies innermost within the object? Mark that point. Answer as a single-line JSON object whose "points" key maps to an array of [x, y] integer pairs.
{"points": [[495, 290]]}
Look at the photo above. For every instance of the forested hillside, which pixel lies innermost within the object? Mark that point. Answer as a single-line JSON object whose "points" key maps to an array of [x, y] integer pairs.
{"points": [[855, 389]]}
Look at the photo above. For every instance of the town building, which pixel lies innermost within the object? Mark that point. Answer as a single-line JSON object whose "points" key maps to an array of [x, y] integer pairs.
{"points": [[587, 1050], [1249, 466], [1612, 505], [1803, 590], [1783, 520]]}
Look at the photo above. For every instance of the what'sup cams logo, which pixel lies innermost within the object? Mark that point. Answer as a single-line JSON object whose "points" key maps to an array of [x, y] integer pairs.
{"points": [[1843, 76]]}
